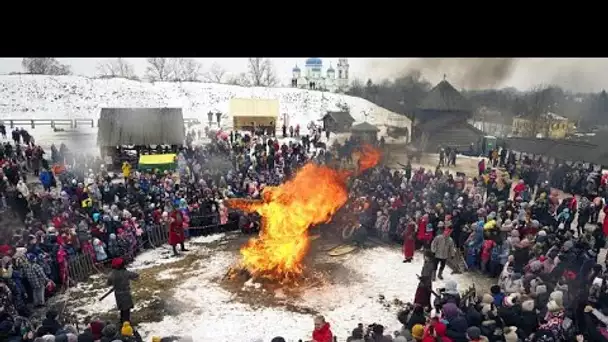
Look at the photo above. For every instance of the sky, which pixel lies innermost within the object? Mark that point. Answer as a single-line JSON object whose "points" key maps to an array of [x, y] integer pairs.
{"points": [[576, 74]]}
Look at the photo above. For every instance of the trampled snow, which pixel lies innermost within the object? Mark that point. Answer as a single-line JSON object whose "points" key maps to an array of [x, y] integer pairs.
{"points": [[208, 311]]}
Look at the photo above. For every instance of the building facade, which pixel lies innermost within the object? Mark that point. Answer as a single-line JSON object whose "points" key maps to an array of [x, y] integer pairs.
{"points": [[549, 125], [334, 80]]}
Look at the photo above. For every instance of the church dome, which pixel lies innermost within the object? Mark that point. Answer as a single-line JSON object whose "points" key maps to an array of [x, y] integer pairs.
{"points": [[295, 69], [314, 62], [330, 70]]}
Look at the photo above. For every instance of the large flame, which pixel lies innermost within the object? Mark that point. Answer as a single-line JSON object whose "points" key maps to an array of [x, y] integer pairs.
{"points": [[313, 196]]}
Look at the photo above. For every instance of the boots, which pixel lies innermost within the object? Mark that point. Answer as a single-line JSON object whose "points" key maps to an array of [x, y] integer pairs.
{"points": [[440, 275], [183, 249], [175, 253]]}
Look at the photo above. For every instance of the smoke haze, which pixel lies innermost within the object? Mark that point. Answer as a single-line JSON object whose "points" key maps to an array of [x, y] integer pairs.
{"points": [[577, 74]]}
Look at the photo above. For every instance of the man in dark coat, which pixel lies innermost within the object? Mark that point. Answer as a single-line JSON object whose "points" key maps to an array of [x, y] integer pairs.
{"points": [[120, 279]]}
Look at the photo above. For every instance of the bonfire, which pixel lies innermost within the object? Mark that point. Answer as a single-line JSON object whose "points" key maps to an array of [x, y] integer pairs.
{"points": [[312, 197]]}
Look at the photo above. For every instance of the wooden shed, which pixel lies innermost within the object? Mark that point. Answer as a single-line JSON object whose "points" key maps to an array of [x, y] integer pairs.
{"points": [[365, 132], [140, 126], [337, 122], [247, 113]]}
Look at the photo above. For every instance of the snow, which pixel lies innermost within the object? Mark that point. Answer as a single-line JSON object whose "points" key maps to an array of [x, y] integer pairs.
{"points": [[208, 238], [76, 97], [374, 272]]}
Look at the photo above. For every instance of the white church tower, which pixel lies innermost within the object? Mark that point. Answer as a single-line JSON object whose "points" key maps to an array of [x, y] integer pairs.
{"points": [[342, 80]]}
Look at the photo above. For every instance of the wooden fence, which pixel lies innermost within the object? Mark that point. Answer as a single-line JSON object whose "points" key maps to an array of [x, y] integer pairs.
{"points": [[72, 123], [82, 266]]}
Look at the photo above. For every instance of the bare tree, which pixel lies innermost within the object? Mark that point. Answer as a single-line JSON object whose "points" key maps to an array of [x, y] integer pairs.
{"points": [[538, 103], [118, 67], [45, 66], [215, 74], [159, 69], [241, 79], [185, 70], [261, 72]]}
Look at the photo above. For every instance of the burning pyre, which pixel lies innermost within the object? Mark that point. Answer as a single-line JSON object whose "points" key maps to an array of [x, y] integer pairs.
{"points": [[312, 197]]}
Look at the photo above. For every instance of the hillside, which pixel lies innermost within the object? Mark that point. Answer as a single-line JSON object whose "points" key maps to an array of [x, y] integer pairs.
{"points": [[74, 97]]}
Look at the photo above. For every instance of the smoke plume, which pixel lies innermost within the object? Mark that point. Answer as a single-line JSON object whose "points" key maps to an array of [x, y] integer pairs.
{"points": [[469, 73]]}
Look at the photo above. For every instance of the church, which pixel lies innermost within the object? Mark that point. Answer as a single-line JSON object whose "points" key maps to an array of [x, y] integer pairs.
{"points": [[313, 78]]}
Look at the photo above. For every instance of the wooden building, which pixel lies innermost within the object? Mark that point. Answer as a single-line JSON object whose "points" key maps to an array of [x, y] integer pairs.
{"points": [[138, 130], [441, 120], [249, 113], [365, 132], [337, 122]]}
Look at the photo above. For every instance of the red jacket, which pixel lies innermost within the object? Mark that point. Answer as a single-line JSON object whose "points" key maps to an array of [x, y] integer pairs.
{"points": [[176, 229], [440, 330], [323, 334]]}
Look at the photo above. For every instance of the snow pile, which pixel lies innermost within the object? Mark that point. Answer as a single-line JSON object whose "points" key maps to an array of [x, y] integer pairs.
{"points": [[75, 97]]}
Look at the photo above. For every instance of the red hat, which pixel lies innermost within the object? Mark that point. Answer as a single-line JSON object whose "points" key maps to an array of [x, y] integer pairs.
{"points": [[117, 263]]}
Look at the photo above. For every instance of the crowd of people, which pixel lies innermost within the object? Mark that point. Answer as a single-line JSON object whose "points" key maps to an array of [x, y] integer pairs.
{"points": [[83, 208], [511, 226], [549, 286]]}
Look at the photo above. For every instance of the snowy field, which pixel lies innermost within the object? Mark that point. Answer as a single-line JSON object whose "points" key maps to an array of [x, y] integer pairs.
{"points": [[194, 301], [74, 97]]}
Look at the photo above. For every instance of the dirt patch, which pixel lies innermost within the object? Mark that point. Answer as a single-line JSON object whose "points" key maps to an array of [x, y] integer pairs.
{"points": [[320, 270]]}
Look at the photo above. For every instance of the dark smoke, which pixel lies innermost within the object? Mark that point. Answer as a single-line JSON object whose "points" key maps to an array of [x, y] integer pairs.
{"points": [[469, 73]]}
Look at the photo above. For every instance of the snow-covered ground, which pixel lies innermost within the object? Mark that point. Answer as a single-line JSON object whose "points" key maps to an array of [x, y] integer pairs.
{"points": [[203, 309], [75, 97]]}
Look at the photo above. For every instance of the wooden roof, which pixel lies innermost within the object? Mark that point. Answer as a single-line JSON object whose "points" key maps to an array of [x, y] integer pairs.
{"points": [[140, 126], [445, 98], [364, 127], [340, 117]]}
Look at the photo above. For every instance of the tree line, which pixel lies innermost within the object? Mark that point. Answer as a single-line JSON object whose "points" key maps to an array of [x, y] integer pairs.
{"points": [[260, 71], [405, 93]]}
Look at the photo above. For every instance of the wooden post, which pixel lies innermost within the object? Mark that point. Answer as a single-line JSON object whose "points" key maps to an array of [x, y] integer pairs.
{"points": [[75, 122], [53, 124], [11, 123], [92, 123], [33, 124]]}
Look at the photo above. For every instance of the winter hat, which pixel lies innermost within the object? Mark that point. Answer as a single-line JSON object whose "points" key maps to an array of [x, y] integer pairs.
{"points": [[86, 337], [96, 328], [450, 310], [126, 330], [527, 306], [473, 333], [510, 334], [417, 331], [540, 289], [487, 299], [109, 330], [117, 263], [558, 297]]}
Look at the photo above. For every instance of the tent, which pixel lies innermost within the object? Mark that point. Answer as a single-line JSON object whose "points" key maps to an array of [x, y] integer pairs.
{"points": [[160, 162]]}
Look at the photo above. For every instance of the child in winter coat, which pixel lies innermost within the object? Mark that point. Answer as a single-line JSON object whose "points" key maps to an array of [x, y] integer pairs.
{"points": [[99, 247]]}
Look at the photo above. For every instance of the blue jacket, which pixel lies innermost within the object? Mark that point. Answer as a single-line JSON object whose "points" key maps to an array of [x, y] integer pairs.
{"points": [[46, 178]]}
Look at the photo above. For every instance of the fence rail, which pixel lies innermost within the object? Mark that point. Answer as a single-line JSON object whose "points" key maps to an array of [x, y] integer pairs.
{"points": [[73, 123]]}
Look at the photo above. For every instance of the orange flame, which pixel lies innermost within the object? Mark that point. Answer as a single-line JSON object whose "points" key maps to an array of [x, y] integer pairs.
{"points": [[312, 197]]}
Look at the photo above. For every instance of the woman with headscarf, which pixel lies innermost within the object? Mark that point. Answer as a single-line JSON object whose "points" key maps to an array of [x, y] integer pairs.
{"points": [[176, 231]]}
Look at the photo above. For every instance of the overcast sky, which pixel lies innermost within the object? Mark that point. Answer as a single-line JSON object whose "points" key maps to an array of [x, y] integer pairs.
{"points": [[588, 74]]}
